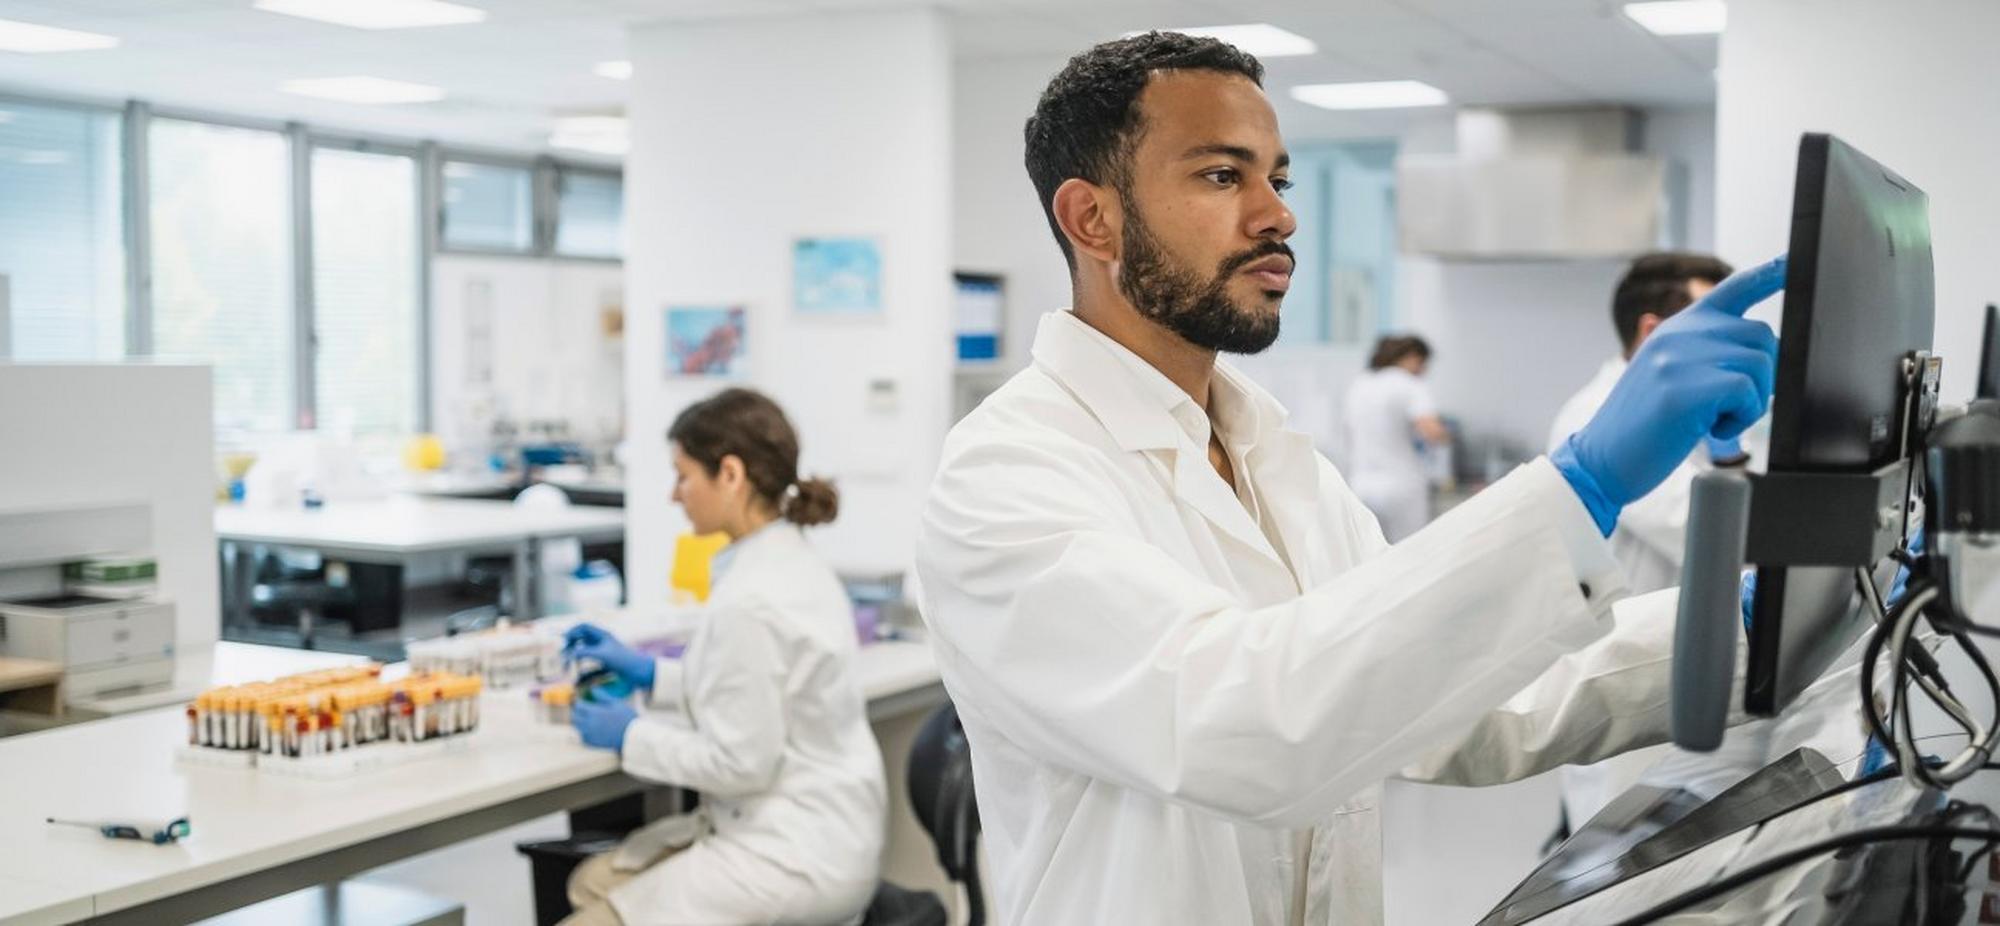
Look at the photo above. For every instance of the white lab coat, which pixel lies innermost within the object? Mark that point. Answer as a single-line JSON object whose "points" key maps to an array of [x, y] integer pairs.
{"points": [[1171, 707], [764, 718], [1650, 543], [1383, 465]]}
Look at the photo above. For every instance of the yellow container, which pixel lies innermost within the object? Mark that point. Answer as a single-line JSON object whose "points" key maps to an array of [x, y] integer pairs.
{"points": [[423, 453], [693, 555]]}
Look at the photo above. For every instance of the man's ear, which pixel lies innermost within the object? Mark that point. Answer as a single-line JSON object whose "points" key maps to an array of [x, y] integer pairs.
{"points": [[1647, 324], [1091, 217]]}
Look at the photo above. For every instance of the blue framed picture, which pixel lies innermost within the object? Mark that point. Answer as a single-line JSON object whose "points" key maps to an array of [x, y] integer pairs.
{"points": [[706, 341], [837, 276]]}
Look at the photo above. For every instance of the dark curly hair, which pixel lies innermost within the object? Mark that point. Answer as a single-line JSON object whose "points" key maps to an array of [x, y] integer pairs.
{"points": [[1087, 122]]}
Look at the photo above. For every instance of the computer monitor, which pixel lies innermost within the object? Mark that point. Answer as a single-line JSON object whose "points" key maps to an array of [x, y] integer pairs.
{"points": [[1858, 302]]}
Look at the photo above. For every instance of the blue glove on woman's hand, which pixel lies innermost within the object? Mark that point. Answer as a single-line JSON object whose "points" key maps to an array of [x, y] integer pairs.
{"points": [[588, 641], [602, 723], [1706, 372]]}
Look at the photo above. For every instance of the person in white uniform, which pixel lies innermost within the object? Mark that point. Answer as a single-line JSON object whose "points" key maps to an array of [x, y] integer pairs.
{"points": [[1649, 543], [762, 715], [1184, 656], [1390, 413]]}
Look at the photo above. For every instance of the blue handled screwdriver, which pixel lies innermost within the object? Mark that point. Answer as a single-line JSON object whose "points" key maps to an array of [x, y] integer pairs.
{"points": [[172, 831]]}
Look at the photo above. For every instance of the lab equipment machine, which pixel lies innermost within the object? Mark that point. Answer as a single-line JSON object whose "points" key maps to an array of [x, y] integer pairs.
{"points": [[1862, 453], [106, 644], [1856, 390]]}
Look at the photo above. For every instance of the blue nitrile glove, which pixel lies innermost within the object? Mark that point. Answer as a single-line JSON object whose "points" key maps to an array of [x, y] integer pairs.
{"points": [[588, 641], [602, 722], [1876, 758], [1748, 595], [1706, 372], [1900, 586], [1725, 451]]}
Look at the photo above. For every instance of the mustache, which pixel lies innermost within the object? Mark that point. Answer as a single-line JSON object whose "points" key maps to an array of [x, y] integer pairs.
{"points": [[1238, 261]]}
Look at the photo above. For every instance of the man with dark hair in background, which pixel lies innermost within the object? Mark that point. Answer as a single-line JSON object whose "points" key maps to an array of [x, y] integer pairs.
{"points": [[1183, 654]]}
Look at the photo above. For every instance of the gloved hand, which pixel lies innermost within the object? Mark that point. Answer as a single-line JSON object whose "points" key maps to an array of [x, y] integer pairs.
{"points": [[1725, 451], [1706, 372], [602, 722], [593, 642]]}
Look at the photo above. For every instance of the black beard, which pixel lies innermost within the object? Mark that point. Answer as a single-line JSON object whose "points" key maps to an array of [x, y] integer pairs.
{"points": [[1202, 313]]}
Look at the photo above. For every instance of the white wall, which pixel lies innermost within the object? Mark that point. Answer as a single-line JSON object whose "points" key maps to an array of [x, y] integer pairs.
{"points": [[1512, 340], [1686, 138], [95, 434], [842, 128], [1515, 339], [547, 357], [1912, 84], [1000, 227]]}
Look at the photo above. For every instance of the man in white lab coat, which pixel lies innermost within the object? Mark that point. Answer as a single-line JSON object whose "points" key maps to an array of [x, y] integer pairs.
{"points": [[1183, 653]]}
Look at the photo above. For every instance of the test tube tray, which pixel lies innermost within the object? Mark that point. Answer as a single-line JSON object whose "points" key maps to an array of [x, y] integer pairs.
{"points": [[346, 763], [208, 757]]}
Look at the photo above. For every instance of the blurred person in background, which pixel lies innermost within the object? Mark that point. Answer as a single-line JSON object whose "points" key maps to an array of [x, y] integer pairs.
{"points": [[1391, 420]]}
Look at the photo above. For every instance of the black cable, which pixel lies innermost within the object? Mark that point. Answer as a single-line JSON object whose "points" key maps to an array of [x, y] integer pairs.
{"points": [[1941, 780], [1876, 728], [1921, 594], [1972, 860], [1925, 663], [1784, 860], [1979, 629]]}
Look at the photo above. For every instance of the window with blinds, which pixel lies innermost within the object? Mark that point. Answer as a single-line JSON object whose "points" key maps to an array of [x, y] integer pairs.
{"points": [[62, 233], [590, 215], [222, 265], [488, 207], [365, 291]]}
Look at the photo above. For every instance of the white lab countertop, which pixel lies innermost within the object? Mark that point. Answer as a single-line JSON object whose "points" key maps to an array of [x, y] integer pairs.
{"points": [[30, 903], [453, 485], [244, 821], [406, 524]]}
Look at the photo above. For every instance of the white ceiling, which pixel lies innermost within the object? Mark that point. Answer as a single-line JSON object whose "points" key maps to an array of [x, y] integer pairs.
{"points": [[531, 60]]}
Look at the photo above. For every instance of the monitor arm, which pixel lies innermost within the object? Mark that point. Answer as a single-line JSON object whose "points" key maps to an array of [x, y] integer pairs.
{"points": [[1848, 520]]}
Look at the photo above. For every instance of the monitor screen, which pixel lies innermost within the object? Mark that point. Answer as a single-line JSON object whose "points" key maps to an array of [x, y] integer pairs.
{"points": [[1858, 300]]}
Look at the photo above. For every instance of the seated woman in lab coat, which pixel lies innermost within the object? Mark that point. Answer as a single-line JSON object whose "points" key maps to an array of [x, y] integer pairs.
{"points": [[762, 716]]}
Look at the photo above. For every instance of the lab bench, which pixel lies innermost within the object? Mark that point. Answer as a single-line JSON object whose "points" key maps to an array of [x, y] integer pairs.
{"points": [[260, 836]]}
